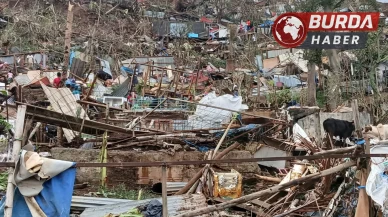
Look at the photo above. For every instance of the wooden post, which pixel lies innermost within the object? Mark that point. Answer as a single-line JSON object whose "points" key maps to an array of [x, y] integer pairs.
{"points": [[196, 83], [164, 191], [362, 209], [17, 145], [60, 136], [104, 159], [176, 82], [107, 113], [91, 87], [160, 85], [68, 32], [311, 86], [356, 118]]}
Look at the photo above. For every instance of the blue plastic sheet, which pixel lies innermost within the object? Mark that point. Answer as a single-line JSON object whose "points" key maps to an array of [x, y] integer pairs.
{"points": [[234, 132], [125, 70], [54, 199], [198, 147]]}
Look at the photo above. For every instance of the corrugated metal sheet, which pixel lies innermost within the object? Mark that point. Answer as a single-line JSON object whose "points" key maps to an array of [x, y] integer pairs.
{"points": [[265, 30], [9, 60], [163, 28], [179, 125], [77, 67], [275, 53], [178, 29], [123, 89], [81, 203], [176, 205], [172, 187], [158, 61], [154, 14], [22, 79], [259, 62], [63, 101], [288, 81]]}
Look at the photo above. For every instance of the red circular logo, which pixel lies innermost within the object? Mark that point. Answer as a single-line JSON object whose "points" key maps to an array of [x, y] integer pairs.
{"points": [[289, 30]]}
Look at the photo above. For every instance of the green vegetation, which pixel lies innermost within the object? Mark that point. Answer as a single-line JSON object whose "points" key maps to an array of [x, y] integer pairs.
{"points": [[3, 181], [5, 124], [321, 98], [122, 192], [283, 96]]}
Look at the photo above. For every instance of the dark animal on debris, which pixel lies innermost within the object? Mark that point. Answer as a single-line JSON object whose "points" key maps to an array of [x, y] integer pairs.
{"points": [[340, 128]]}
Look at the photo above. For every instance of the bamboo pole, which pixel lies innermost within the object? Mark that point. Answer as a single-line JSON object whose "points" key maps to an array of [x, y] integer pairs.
{"points": [[17, 145], [275, 189], [222, 138], [34, 130]]}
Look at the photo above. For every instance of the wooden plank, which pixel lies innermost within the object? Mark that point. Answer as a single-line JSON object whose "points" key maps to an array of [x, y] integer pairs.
{"points": [[258, 202], [164, 191]]}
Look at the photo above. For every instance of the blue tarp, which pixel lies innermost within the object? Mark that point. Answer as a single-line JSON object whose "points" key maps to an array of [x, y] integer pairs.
{"points": [[125, 70], [72, 55], [193, 35], [267, 23], [234, 132], [54, 199]]}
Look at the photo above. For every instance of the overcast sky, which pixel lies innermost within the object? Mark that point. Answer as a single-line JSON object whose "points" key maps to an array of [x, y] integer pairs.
{"points": [[382, 1]]}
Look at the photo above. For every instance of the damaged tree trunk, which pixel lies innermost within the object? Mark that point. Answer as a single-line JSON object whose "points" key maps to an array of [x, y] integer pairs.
{"points": [[312, 88], [271, 190], [69, 25]]}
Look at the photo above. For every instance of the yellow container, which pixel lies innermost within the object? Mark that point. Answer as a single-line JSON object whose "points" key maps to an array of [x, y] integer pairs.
{"points": [[227, 185]]}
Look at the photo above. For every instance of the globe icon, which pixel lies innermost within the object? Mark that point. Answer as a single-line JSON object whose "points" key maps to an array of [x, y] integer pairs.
{"points": [[289, 30]]}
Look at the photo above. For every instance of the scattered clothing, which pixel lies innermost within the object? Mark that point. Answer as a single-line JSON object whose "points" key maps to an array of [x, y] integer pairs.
{"points": [[153, 209], [57, 82], [77, 92]]}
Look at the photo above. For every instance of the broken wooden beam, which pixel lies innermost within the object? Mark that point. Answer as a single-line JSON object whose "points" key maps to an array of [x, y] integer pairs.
{"points": [[274, 189], [70, 122], [270, 179], [338, 150]]}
